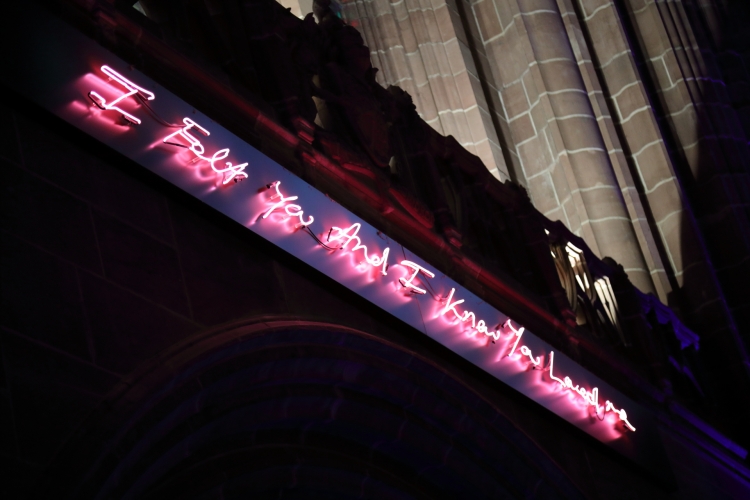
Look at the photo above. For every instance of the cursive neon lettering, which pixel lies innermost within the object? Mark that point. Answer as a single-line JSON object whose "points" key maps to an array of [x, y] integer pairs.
{"points": [[291, 210], [451, 306], [590, 397], [195, 145], [350, 234], [525, 351], [417, 269], [231, 172], [132, 88], [608, 406], [481, 326], [469, 315], [517, 333], [188, 136]]}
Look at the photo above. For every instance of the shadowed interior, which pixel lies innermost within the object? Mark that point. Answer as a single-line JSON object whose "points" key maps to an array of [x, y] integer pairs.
{"points": [[288, 411]]}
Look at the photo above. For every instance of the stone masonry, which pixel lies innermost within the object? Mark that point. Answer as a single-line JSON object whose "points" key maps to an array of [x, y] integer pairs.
{"points": [[624, 119]]}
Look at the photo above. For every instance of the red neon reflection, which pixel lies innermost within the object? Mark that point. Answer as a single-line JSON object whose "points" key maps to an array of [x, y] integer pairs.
{"points": [[132, 88]]}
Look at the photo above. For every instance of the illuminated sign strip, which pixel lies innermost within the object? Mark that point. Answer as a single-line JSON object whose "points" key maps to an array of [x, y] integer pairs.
{"points": [[452, 311], [91, 89], [590, 398]]}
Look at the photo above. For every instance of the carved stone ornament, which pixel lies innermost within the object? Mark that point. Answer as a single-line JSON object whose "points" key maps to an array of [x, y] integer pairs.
{"points": [[353, 101]]}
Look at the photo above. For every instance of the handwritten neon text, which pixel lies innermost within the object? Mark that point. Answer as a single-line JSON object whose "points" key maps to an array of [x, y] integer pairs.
{"points": [[480, 326], [525, 351], [230, 171], [348, 235], [132, 88], [291, 210], [417, 269], [591, 397]]}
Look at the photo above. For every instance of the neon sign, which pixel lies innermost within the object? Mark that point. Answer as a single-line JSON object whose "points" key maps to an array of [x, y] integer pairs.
{"points": [[338, 238], [291, 210], [409, 284], [589, 397], [346, 236], [455, 313], [350, 234], [230, 172], [164, 134], [133, 90]]}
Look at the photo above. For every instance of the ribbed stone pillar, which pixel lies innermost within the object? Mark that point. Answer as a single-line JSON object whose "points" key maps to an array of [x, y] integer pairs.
{"points": [[620, 102], [421, 46], [710, 148], [565, 162]]}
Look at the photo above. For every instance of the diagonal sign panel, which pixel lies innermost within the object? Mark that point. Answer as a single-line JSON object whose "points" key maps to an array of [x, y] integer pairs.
{"points": [[97, 92]]}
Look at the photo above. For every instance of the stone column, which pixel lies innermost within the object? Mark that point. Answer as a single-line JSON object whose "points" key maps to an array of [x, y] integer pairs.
{"points": [[596, 36], [421, 46], [565, 162], [710, 152]]}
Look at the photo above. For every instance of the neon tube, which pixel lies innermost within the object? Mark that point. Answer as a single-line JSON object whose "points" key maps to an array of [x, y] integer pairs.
{"points": [[234, 170], [417, 269], [189, 136], [346, 236], [195, 145], [230, 171], [480, 325], [133, 89], [374, 261], [291, 210], [591, 398], [525, 351]]}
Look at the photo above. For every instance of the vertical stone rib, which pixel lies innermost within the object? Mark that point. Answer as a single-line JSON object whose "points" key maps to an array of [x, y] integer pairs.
{"points": [[679, 42], [417, 45], [577, 143], [598, 22]]}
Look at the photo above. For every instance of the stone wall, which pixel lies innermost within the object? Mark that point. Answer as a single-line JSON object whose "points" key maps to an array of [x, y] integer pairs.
{"points": [[624, 119]]}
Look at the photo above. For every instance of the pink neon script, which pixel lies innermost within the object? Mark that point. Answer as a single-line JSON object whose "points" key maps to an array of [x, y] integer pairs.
{"points": [[589, 397], [195, 144], [132, 88], [480, 325], [291, 210], [417, 269], [348, 235], [230, 171], [525, 351]]}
